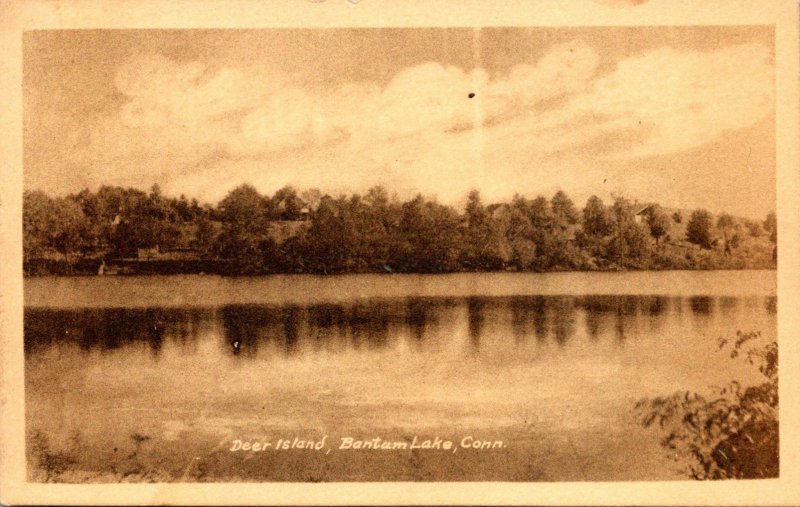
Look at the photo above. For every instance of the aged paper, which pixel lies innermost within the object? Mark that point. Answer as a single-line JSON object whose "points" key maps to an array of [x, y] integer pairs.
{"points": [[359, 251]]}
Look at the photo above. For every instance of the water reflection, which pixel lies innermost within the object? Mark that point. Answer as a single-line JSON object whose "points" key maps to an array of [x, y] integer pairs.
{"points": [[423, 324], [115, 328], [701, 305], [475, 319], [771, 305]]}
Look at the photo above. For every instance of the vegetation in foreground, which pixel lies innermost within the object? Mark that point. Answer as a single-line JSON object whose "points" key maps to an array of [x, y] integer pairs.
{"points": [[289, 232], [731, 436]]}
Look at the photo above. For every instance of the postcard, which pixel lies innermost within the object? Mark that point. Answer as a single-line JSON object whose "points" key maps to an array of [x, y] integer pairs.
{"points": [[371, 252]]}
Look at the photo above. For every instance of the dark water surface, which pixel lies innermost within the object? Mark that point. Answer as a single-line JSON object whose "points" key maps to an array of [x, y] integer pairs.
{"points": [[553, 374]]}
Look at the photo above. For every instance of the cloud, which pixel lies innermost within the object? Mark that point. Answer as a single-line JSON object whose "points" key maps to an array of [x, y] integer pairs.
{"points": [[670, 100], [176, 107], [439, 128]]}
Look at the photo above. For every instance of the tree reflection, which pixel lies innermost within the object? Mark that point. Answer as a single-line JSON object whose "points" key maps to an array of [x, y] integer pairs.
{"points": [[323, 326], [291, 332], [626, 317], [771, 304], [369, 324], [417, 316], [110, 329], [475, 319], [701, 305], [245, 327], [258, 330], [599, 311], [563, 310], [728, 305]]}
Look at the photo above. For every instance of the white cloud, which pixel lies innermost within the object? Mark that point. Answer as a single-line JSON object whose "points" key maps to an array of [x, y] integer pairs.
{"points": [[676, 100], [171, 104], [421, 130]]}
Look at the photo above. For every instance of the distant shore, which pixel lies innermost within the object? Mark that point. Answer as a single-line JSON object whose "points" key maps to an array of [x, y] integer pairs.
{"points": [[222, 267], [117, 231]]}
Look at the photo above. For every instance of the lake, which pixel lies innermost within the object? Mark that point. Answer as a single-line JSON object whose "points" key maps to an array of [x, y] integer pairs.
{"points": [[157, 378]]}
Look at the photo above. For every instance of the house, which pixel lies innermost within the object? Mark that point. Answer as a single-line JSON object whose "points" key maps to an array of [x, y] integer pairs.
{"points": [[641, 216], [149, 253], [173, 254], [281, 230], [499, 211]]}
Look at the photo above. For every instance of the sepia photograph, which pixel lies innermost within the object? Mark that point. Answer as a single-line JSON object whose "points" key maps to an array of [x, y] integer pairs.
{"points": [[521, 253]]}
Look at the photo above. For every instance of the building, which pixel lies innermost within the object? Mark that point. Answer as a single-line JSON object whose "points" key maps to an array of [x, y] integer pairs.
{"points": [[641, 216], [173, 254]]}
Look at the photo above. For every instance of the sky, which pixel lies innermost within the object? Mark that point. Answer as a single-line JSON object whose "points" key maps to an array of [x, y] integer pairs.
{"points": [[684, 116]]}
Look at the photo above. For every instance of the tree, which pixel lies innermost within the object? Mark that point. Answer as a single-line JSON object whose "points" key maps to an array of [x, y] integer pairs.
{"points": [[657, 221], [205, 237], [243, 238], [332, 239], [242, 207], [629, 245], [698, 229], [564, 209], [727, 225], [475, 211], [106, 211], [69, 227], [754, 228], [379, 217], [519, 234], [377, 197], [428, 237], [285, 204], [36, 210], [145, 221], [771, 226], [677, 217], [734, 434], [58, 223], [597, 220], [543, 235], [485, 245]]}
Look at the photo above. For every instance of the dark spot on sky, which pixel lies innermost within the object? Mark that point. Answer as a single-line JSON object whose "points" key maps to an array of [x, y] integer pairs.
{"points": [[471, 94]]}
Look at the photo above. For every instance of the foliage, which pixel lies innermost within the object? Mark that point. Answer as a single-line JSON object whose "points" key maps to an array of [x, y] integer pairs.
{"points": [[657, 221], [484, 239], [597, 220], [57, 223], [771, 226], [53, 462], [698, 229], [733, 434], [729, 228], [563, 208], [754, 228], [311, 232], [629, 246], [243, 213]]}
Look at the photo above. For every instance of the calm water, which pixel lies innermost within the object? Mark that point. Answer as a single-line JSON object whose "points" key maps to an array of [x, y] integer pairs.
{"points": [[558, 356]]}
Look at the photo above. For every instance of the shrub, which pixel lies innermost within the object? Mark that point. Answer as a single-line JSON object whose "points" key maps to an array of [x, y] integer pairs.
{"points": [[734, 435]]}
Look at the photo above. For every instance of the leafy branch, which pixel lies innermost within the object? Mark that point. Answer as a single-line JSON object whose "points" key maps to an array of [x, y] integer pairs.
{"points": [[734, 434]]}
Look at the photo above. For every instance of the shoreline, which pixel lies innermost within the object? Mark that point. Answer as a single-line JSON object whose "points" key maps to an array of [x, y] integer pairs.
{"points": [[307, 289], [391, 273]]}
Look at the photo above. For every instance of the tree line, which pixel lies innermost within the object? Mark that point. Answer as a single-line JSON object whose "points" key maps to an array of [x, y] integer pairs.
{"points": [[377, 232]]}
